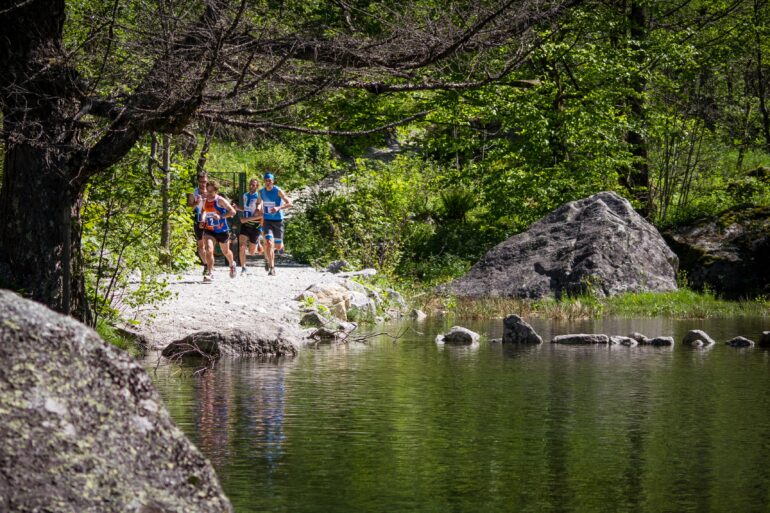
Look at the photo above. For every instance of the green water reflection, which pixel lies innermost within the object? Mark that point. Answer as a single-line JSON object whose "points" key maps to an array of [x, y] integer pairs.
{"points": [[409, 426]]}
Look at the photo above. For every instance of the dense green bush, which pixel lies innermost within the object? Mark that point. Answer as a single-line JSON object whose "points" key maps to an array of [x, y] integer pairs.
{"points": [[123, 258]]}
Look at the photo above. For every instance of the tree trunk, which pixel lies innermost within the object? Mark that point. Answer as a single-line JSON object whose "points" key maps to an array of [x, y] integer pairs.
{"points": [[637, 179], [761, 86], [165, 227], [41, 229]]}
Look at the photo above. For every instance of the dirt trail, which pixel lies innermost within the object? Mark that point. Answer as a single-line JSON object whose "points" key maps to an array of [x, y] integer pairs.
{"points": [[226, 303]]}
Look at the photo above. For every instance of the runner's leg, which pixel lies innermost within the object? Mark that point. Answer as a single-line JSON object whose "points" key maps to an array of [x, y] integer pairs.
{"points": [[242, 242], [225, 247], [208, 252], [269, 255]]}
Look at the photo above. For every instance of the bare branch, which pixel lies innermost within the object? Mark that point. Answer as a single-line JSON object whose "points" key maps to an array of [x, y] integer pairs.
{"points": [[265, 125]]}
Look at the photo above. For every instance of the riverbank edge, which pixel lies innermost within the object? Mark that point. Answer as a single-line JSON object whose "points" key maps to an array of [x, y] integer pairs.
{"points": [[681, 304]]}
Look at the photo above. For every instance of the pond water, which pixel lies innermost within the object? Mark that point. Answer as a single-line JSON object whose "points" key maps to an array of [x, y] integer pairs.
{"points": [[408, 426]]}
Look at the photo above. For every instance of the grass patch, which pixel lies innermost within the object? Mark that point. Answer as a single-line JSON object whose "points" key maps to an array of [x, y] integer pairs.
{"points": [[110, 335], [681, 304]]}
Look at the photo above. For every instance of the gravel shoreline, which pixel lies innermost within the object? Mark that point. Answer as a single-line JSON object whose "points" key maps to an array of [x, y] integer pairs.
{"points": [[227, 303]]}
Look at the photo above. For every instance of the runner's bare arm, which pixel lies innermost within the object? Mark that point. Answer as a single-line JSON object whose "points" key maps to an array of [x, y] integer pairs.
{"points": [[286, 201], [226, 205]]}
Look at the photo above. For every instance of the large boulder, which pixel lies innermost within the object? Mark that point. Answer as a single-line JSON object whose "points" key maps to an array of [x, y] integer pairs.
{"points": [[728, 253], [595, 245], [82, 427]]}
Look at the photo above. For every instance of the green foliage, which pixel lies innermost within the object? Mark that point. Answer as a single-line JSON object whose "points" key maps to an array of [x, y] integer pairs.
{"points": [[110, 335], [121, 219], [681, 304], [295, 161]]}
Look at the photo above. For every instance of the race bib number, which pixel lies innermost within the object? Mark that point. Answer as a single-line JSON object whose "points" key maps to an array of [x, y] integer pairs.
{"points": [[268, 205]]}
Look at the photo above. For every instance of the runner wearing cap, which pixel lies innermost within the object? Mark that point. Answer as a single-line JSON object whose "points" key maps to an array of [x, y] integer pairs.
{"points": [[251, 215], [274, 202]]}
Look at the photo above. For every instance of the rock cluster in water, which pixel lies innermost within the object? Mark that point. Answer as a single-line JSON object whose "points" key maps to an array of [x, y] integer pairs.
{"points": [[82, 427], [517, 331], [349, 300], [598, 245]]}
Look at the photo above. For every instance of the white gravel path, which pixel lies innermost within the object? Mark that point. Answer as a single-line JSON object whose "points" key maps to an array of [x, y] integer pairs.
{"points": [[228, 303]]}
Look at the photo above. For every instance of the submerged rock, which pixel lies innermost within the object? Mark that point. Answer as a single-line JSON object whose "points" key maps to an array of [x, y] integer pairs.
{"points": [[458, 335], [596, 245], [697, 338], [640, 339], [264, 340], [740, 342], [581, 339], [82, 427], [517, 331]]}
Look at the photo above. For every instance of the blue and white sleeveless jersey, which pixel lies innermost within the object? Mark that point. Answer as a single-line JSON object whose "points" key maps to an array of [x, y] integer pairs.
{"points": [[271, 199]]}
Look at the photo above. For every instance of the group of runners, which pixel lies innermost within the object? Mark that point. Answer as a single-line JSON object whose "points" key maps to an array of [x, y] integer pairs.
{"points": [[261, 216]]}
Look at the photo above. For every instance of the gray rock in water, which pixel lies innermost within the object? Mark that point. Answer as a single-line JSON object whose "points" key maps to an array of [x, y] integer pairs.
{"points": [[740, 342], [620, 340], [658, 341], [82, 427], [764, 339], [459, 336], [313, 319], [418, 315], [598, 244], [581, 339], [263, 340], [640, 339], [693, 338], [327, 334], [517, 331]]}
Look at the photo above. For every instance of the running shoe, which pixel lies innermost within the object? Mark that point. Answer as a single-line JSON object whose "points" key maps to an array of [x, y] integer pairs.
{"points": [[206, 276], [244, 271], [272, 271], [232, 270]]}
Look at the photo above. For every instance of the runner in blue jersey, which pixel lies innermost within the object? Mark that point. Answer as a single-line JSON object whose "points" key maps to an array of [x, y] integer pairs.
{"points": [[192, 201], [274, 202], [214, 211], [251, 216]]}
